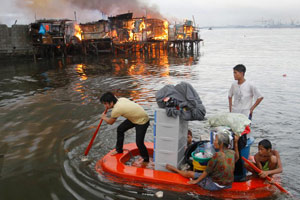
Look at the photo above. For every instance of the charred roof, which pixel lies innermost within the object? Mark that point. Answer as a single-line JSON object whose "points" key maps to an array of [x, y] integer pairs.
{"points": [[121, 17]]}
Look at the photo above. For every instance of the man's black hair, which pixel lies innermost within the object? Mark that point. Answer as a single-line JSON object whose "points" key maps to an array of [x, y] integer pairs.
{"points": [[108, 97], [240, 68], [266, 144]]}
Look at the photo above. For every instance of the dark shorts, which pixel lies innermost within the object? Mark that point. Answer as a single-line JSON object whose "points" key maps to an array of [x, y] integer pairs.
{"points": [[208, 183]]}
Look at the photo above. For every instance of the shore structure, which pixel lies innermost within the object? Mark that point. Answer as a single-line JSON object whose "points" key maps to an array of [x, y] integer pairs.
{"points": [[15, 41], [118, 34]]}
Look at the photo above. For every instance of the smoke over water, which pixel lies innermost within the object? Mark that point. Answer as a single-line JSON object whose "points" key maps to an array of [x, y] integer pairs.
{"points": [[91, 10]]}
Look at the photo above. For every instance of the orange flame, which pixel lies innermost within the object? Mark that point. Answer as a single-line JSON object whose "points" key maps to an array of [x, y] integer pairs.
{"points": [[130, 35], [180, 36], [157, 30], [114, 34], [78, 31], [142, 26], [165, 33], [188, 31]]}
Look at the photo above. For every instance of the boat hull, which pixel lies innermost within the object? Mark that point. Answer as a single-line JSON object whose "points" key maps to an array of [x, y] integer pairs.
{"points": [[113, 167]]}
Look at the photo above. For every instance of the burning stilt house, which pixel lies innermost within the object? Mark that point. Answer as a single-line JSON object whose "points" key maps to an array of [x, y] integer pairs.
{"points": [[96, 37], [130, 34], [125, 28], [121, 27], [95, 30], [51, 36], [184, 37], [157, 30], [52, 31], [185, 31]]}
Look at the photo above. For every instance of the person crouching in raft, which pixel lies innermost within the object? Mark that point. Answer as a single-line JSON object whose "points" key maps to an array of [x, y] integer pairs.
{"points": [[135, 116], [267, 159]]}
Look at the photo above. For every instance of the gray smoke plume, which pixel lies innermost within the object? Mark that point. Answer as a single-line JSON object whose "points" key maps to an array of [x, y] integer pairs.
{"points": [[87, 9], [113, 7]]}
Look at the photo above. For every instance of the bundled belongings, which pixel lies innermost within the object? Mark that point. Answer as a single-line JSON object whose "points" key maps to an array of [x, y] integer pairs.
{"points": [[181, 100], [236, 121], [231, 123]]}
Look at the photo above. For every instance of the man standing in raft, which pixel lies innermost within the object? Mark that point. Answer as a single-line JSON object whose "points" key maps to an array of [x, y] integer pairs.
{"points": [[135, 116], [243, 92]]}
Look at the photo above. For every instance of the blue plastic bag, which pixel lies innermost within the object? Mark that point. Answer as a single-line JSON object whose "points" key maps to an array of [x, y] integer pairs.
{"points": [[42, 30]]}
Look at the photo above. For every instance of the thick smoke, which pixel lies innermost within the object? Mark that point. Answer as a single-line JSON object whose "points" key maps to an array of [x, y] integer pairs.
{"points": [[113, 7], [87, 9]]}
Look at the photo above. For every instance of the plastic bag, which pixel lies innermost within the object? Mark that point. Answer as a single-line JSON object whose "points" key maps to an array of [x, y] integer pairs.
{"points": [[204, 150], [236, 121]]}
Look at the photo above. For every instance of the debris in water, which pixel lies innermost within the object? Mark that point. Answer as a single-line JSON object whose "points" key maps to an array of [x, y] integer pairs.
{"points": [[84, 159], [159, 194]]}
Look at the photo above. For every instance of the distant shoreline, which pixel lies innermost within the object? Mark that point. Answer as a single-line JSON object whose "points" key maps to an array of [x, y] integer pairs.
{"points": [[240, 26]]}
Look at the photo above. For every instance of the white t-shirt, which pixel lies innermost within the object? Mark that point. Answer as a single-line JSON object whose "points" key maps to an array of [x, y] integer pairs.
{"points": [[243, 96]]}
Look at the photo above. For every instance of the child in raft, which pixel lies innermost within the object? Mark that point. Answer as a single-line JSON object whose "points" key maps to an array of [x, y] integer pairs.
{"points": [[190, 140], [267, 159]]}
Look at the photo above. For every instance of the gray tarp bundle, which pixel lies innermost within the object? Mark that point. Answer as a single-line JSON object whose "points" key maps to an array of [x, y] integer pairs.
{"points": [[189, 102]]}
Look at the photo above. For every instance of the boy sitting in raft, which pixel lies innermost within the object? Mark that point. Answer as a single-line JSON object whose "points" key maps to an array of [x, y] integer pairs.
{"points": [[266, 159], [219, 171]]}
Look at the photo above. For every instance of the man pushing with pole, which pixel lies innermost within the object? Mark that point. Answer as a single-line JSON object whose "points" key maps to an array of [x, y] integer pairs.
{"points": [[135, 116]]}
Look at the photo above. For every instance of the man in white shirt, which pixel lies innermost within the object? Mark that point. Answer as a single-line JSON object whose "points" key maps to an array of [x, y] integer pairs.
{"points": [[243, 92]]}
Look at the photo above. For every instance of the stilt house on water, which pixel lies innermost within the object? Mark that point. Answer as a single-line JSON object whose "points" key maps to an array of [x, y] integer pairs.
{"points": [[118, 34]]}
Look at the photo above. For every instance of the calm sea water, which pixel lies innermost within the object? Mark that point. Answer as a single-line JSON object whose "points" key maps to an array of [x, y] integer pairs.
{"points": [[49, 110]]}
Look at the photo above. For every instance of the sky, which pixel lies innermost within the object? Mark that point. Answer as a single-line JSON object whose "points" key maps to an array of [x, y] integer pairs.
{"points": [[203, 12]]}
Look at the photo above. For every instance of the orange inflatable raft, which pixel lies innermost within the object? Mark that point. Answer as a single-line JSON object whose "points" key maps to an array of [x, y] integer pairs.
{"points": [[113, 167]]}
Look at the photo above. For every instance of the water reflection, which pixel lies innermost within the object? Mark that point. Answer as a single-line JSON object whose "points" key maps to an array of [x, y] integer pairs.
{"points": [[50, 103], [140, 69], [79, 87], [80, 71]]}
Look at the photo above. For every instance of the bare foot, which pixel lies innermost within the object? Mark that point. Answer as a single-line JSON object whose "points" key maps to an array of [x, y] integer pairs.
{"points": [[143, 162], [248, 177], [150, 165], [171, 168], [114, 153]]}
